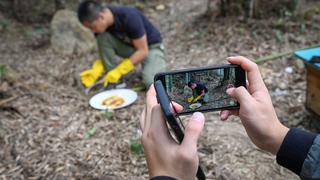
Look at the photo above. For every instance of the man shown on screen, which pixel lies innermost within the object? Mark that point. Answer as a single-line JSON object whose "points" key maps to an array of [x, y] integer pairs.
{"points": [[199, 93]]}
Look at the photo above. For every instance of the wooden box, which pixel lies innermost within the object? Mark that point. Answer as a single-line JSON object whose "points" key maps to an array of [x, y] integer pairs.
{"points": [[313, 88], [310, 57]]}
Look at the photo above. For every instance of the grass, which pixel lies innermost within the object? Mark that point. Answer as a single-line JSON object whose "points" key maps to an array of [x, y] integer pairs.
{"points": [[135, 146], [3, 71]]}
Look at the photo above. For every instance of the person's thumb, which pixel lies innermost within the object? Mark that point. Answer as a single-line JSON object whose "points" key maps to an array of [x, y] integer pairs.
{"points": [[193, 131], [240, 94]]}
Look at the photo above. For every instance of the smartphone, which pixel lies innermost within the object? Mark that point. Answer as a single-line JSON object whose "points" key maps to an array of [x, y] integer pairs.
{"points": [[203, 89], [170, 116]]}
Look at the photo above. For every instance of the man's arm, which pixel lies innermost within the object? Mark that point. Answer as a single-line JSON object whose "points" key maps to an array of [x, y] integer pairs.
{"points": [[202, 93], [128, 64], [142, 50]]}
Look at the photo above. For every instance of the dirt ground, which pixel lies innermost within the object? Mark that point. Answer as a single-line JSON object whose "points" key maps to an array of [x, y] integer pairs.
{"points": [[42, 131]]}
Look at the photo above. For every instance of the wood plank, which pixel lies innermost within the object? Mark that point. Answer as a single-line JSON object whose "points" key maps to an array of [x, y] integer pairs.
{"points": [[313, 89]]}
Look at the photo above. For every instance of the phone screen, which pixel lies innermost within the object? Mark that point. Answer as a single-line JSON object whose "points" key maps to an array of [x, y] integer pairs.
{"points": [[203, 89]]}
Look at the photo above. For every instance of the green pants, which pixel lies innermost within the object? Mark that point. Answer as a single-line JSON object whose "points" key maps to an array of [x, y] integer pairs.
{"points": [[112, 51]]}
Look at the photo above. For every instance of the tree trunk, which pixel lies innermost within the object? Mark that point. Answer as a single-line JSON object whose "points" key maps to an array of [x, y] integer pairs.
{"points": [[253, 8]]}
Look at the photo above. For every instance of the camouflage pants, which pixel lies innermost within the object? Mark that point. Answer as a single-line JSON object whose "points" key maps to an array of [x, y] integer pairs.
{"points": [[112, 51]]}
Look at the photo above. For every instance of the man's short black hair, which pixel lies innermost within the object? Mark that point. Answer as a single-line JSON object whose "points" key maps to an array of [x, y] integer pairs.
{"points": [[89, 10], [190, 83]]}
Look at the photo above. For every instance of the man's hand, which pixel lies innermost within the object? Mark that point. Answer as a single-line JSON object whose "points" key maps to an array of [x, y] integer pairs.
{"points": [[164, 156], [256, 110], [128, 64], [115, 74], [190, 99], [90, 76], [197, 98]]}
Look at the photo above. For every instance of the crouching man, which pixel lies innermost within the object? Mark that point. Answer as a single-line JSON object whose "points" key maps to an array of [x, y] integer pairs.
{"points": [[125, 39]]}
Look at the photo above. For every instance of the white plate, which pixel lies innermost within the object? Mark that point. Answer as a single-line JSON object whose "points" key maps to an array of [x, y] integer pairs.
{"points": [[195, 105], [128, 95]]}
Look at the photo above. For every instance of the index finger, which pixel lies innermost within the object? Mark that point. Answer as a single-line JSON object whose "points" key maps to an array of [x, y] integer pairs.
{"points": [[151, 101], [253, 73]]}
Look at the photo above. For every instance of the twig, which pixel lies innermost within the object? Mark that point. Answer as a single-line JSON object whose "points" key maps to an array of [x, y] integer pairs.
{"points": [[6, 101], [96, 165], [3, 102], [279, 55]]}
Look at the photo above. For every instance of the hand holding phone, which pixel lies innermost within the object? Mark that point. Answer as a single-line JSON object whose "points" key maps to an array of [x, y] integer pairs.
{"points": [[164, 156], [170, 112], [257, 113]]}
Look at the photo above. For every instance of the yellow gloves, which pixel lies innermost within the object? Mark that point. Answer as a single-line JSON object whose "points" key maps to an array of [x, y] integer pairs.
{"points": [[115, 74], [90, 76], [190, 99], [196, 99]]}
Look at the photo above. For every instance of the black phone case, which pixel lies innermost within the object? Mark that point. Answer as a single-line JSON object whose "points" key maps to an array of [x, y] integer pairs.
{"points": [[164, 102], [160, 76]]}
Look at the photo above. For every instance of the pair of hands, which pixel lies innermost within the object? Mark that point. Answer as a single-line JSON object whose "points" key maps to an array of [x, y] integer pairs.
{"points": [[90, 76], [167, 158], [193, 99]]}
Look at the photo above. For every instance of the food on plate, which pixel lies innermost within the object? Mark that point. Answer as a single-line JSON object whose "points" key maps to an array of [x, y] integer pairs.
{"points": [[195, 106], [113, 101]]}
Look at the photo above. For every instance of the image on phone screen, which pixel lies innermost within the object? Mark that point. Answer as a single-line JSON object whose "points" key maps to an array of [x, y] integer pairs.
{"points": [[202, 90]]}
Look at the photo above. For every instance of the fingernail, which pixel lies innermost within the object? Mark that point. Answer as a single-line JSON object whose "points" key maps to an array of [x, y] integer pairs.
{"points": [[198, 116], [230, 57]]}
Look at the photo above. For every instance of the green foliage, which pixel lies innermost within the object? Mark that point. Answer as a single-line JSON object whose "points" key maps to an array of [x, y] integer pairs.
{"points": [[311, 11], [109, 113], [4, 24], [40, 29], [3, 71], [136, 147], [139, 5], [279, 36], [200, 34], [90, 132], [139, 88], [303, 28]]}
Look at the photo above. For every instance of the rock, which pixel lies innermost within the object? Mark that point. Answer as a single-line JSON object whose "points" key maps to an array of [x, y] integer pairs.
{"points": [[283, 85], [160, 7], [289, 70], [279, 92], [299, 64], [68, 36], [187, 91], [4, 86]]}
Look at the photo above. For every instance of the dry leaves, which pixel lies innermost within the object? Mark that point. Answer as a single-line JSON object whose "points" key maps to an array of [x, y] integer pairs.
{"points": [[43, 134]]}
